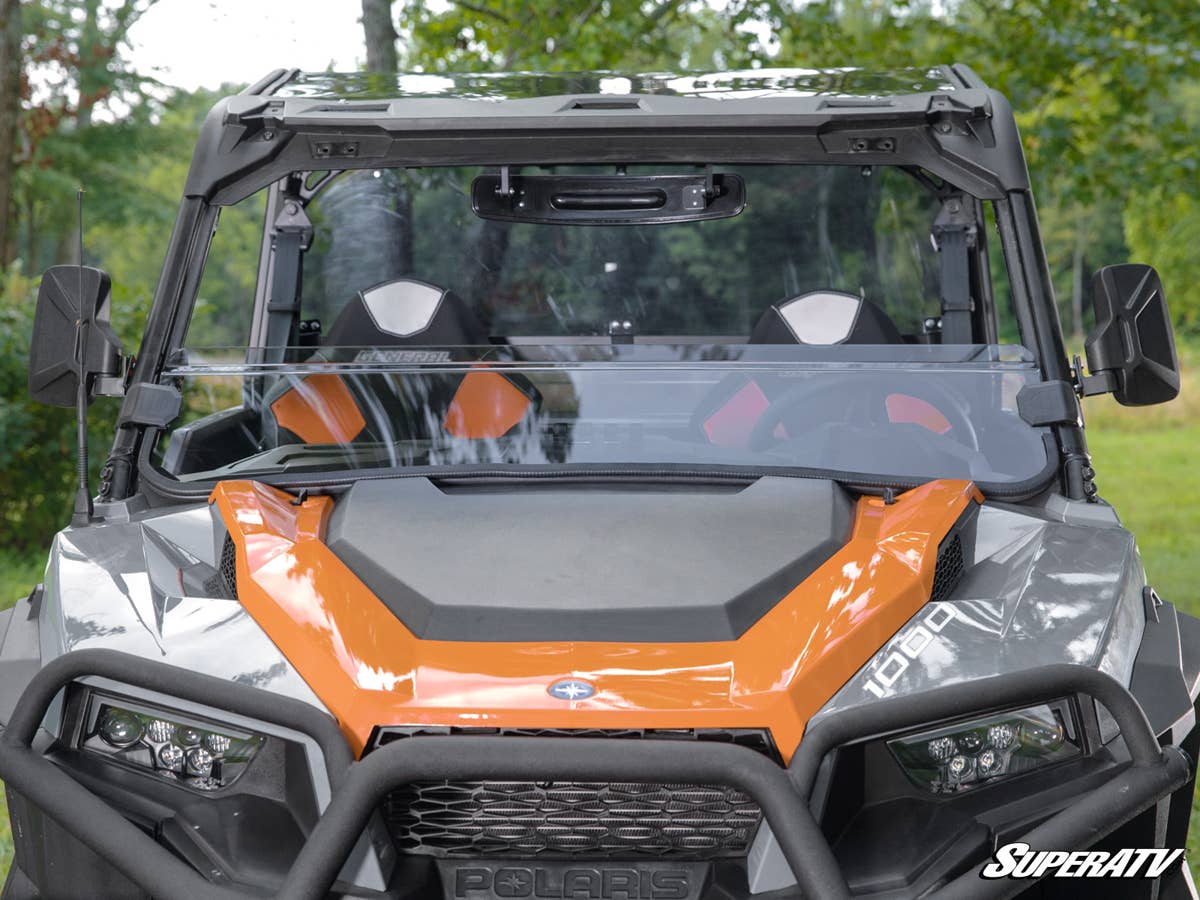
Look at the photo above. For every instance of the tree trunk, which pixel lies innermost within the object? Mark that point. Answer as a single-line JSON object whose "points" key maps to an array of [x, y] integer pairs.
{"points": [[10, 111], [380, 35], [91, 58]]}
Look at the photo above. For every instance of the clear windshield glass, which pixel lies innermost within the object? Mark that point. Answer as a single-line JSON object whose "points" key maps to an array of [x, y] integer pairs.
{"points": [[876, 417], [805, 228], [802, 333]]}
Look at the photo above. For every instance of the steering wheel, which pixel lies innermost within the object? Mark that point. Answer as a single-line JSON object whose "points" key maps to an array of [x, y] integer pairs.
{"points": [[949, 404]]}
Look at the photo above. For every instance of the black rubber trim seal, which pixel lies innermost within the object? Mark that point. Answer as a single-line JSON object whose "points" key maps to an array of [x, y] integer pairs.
{"points": [[172, 490], [358, 787]]}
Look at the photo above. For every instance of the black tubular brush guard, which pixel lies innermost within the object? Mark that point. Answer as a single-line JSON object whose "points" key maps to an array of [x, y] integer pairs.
{"points": [[359, 787]]}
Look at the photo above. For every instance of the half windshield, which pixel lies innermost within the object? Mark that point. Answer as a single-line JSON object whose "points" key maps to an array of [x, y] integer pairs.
{"points": [[802, 333]]}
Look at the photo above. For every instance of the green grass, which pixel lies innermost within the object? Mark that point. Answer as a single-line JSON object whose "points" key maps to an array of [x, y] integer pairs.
{"points": [[1146, 462], [6, 845]]}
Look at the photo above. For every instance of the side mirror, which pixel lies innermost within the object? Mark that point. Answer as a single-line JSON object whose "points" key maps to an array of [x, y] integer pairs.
{"points": [[1131, 349], [53, 364]]}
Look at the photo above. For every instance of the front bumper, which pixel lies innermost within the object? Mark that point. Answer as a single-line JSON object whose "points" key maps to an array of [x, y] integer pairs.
{"points": [[357, 788]]}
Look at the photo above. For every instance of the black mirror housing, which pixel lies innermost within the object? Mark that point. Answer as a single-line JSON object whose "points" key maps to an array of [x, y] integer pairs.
{"points": [[1132, 343], [53, 367]]}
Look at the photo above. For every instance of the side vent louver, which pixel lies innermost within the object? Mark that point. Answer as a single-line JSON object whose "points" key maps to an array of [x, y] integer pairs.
{"points": [[228, 568], [949, 569]]}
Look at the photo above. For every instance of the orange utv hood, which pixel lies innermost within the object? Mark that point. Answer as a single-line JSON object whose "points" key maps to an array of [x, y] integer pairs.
{"points": [[370, 670]]}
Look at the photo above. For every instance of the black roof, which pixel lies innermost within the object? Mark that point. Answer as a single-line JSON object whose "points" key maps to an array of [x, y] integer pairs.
{"points": [[941, 119]]}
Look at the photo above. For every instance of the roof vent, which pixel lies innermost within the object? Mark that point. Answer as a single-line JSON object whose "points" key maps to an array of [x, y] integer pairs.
{"points": [[606, 103]]}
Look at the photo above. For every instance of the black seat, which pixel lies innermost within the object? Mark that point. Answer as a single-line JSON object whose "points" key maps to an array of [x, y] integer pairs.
{"points": [[727, 414], [825, 317], [405, 312]]}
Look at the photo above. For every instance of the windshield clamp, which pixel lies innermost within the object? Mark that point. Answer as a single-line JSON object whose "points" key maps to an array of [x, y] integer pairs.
{"points": [[954, 235], [292, 219], [292, 235], [956, 216]]}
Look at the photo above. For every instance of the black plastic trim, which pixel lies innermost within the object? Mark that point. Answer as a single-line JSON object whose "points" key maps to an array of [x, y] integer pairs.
{"points": [[1048, 403], [580, 473], [664, 575], [1157, 679], [147, 403]]}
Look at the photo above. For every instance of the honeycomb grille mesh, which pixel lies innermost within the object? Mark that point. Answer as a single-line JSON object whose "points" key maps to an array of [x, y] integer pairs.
{"points": [[566, 819], [229, 568], [949, 569]]}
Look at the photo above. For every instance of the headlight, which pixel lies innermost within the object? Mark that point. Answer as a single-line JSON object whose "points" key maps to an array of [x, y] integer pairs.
{"points": [[960, 756], [201, 755]]}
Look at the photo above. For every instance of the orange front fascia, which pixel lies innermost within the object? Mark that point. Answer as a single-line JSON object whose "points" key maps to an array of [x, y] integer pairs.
{"points": [[370, 670]]}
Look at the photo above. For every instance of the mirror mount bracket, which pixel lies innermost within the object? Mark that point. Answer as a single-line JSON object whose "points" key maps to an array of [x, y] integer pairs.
{"points": [[1103, 382]]}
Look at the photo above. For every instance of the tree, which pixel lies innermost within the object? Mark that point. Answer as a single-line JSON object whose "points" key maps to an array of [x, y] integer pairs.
{"points": [[73, 70], [380, 36], [1095, 86], [579, 35], [10, 111]]}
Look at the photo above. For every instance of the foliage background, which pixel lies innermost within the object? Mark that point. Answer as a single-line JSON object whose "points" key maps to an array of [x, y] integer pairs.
{"points": [[1108, 100]]}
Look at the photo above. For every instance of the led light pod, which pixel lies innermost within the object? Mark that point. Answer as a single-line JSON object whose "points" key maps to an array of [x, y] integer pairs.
{"points": [[159, 731], [199, 762], [201, 755], [119, 727], [973, 752], [170, 757]]}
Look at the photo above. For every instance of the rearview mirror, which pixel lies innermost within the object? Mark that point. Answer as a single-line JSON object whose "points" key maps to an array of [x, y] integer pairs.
{"points": [[607, 199], [53, 365], [1132, 347]]}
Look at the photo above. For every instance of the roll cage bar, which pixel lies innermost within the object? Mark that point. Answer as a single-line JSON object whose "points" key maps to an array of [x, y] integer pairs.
{"points": [[966, 138]]}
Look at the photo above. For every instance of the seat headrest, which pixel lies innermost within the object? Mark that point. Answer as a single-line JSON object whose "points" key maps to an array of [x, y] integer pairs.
{"points": [[406, 311], [825, 317]]}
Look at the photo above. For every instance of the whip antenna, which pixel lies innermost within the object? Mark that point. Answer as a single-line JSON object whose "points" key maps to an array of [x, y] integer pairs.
{"points": [[83, 494]]}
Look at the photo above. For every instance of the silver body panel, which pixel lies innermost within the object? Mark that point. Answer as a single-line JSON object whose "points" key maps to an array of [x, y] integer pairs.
{"points": [[1040, 592], [121, 586]]}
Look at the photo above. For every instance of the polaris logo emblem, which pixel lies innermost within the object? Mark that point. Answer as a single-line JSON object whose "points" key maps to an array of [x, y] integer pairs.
{"points": [[565, 881], [571, 689]]}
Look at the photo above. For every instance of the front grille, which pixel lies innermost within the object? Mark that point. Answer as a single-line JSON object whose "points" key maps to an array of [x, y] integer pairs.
{"points": [[560, 819]]}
